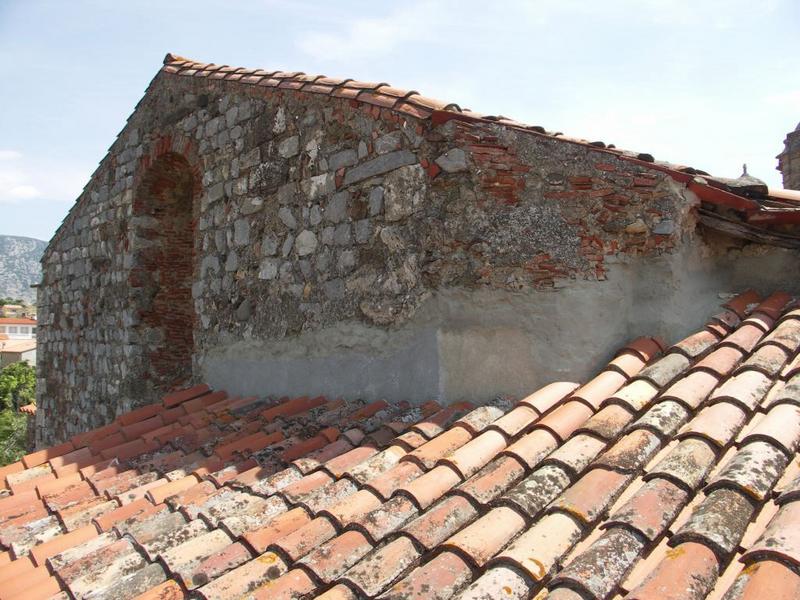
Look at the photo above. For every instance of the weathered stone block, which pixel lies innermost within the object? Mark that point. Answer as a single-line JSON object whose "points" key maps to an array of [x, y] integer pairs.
{"points": [[379, 166]]}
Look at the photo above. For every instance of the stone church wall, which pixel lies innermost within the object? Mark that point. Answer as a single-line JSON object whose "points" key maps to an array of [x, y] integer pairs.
{"points": [[274, 242]]}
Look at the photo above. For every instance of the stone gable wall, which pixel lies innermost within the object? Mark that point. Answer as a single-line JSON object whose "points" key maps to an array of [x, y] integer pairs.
{"points": [[311, 213]]}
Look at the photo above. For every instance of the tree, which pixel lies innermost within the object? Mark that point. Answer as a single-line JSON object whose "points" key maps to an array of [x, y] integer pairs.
{"points": [[13, 433], [17, 385]]}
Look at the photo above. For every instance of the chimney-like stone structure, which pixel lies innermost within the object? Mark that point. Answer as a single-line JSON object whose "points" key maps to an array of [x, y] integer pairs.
{"points": [[789, 160]]}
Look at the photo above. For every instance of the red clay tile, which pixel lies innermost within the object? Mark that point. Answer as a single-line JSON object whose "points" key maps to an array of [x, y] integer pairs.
{"points": [[488, 535], [294, 584], [353, 507], [577, 452], [176, 398], [593, 494], [84, 512], [651, 509], [547, 397], [440, 522], [600, 568], [129, 449], [719, 521], [757, 527], [297, 450], [387, 518], [786, 335], [340, 465], [628, 364], [687, 463], [280, 526], [35, 459], [781, 428], [533, 447], [599, 389], [43, 551], [515, 421], [18, 587], [631, 452], [10, 469], [766, 580], [82, 457], [446, 573], [774, 304], [16, 568], [440, 446], [646, 347], [333, 558], [540, 549], [727, 318], [29, 484], [494, 479], [57, 486], [636, 395], [379, 568], [139, 508], [46, 588], [248, 444], [564, 420], [471, 457], [693, 389], [688, 572], [608, 422], [745, 337], [665, 369], [743, 303], [768, 359], [696, 344], [298, 543], [243, 580], [747, 388], [781, 540], [158, 494], [429, 487], [717, 423], [218, 563], [721, 361], [169, 590]]}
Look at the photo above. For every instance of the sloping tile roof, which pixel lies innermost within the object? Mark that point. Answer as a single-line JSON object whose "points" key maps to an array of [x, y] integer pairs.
{"points": [[17, 321], [18, 346], [671, 474]]}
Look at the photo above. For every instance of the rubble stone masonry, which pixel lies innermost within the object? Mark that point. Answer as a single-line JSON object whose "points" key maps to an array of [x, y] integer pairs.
{"points": [[228, 212]]}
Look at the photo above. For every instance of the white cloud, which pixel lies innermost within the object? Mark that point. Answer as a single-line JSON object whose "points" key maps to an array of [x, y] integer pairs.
{"points": [[371, 36], [790, 99], [27, 180]]}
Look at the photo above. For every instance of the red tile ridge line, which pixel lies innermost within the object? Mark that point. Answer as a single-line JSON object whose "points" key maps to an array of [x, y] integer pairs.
{"points": [[439, 112]]}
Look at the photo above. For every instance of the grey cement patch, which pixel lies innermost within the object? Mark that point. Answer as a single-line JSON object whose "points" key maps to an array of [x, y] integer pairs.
{"points": [[473, 345]]}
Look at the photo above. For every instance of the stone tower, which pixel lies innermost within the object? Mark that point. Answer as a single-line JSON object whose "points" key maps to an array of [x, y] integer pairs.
{"points": [[789, 160]]}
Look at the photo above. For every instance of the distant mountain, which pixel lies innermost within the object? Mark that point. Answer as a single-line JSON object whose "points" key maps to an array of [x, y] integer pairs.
{"points": [[19, 266]]}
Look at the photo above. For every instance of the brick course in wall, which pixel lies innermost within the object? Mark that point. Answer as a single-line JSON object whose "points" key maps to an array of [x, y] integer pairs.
{"points": [[228, 210]]}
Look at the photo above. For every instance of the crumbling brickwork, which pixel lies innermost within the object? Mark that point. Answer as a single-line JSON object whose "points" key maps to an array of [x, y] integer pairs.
{"points": [[227, 211]]}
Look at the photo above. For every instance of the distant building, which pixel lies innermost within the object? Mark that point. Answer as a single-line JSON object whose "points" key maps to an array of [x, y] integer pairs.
{"points": [[12, 351], [789, 160], [21, 328]]}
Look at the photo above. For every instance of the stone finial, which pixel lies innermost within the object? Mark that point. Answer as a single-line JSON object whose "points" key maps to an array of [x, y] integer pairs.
{"points": [[789, 160]]}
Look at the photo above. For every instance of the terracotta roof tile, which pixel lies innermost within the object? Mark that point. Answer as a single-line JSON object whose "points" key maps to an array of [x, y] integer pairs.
{"points": [[781, 540], [505, 502], [687, 572]]}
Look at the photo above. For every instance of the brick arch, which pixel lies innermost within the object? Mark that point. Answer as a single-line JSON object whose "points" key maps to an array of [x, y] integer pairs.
{"points": [[164, 226]]}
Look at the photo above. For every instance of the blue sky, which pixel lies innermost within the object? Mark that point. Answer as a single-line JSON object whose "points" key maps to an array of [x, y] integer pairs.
{"points": [[708, 83]]}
